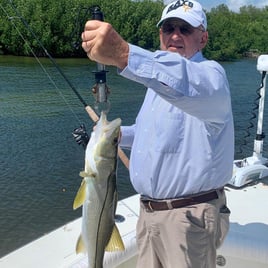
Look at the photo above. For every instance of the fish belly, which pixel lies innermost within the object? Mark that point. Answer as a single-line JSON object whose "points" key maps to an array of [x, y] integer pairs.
{"points": [[98, 219]]}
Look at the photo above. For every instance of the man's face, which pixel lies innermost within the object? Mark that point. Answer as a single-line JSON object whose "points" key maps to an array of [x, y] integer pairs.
{"points": [[177, 35]]}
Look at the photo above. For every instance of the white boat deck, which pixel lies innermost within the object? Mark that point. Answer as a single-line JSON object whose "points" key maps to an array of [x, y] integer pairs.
{"points": [[247, 240], [245, 246], [57, 249]]}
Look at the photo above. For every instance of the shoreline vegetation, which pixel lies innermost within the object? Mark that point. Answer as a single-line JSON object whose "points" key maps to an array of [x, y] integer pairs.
{"points": [[58, 26]]}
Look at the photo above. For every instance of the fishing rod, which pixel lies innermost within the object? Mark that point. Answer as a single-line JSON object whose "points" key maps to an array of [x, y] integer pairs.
{"points": [[100, 89], [48, 54], [87, 107]]}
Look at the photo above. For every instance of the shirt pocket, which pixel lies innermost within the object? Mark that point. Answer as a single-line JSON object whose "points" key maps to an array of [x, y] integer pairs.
{"points": [[169, 129]]}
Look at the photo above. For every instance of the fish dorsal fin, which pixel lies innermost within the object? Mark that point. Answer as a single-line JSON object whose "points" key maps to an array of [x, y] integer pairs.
{"points": [[115, 243], [80, 196], [80, 246]]}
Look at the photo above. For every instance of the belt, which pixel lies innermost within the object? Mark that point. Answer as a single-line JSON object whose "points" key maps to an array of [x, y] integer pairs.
{"points": [[153, 205]]}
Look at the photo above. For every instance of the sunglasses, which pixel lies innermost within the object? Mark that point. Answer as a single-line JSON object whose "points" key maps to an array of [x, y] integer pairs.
{"points": [[185, 28]]}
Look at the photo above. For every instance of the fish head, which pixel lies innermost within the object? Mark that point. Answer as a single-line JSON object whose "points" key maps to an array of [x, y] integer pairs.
{"points": [[102, 144], [107, 137]]}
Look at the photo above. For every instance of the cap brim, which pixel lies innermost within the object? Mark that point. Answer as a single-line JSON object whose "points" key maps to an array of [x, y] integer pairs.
{"points": [[188, 19]]}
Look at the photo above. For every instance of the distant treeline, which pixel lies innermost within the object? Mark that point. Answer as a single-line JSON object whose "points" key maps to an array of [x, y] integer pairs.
{"points": [[58, 25]]}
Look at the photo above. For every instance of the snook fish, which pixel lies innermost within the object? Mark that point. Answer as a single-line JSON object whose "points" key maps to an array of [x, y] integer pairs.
{"points": [[98, 195]]}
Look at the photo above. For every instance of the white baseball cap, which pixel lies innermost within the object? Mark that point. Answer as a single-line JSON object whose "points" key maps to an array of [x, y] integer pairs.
{"points": [[190, 11]]}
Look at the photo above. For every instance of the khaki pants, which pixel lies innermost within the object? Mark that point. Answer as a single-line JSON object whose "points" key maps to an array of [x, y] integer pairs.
{"points": [[182, 238]]}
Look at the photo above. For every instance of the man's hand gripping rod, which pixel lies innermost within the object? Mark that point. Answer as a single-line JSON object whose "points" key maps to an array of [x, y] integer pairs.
{"points": [[101, 91]]}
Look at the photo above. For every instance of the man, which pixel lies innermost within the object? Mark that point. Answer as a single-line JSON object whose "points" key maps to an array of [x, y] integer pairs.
{"points": [[182, 141]]}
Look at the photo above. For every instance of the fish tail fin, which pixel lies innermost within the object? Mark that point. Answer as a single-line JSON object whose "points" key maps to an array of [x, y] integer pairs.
{"points": [[115, 243], [80, 246], [80, 196]]}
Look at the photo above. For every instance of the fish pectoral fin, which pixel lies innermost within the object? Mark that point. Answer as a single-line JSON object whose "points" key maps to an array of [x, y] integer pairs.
{"points": [[80, 246], [115, 243], [80, 196], [84, 174]]}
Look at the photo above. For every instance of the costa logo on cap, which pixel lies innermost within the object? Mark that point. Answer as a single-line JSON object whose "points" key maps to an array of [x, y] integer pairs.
{"points": [[180, 3]]}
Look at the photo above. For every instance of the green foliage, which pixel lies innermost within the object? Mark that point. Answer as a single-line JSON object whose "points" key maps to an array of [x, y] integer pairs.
{"points": [[58, 25], [232, 34], [49, 21]]}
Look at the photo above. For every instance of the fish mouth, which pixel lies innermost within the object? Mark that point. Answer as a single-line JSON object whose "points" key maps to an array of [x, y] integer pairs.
{"points": [[113, 128], [107, 128], [115, 123]]}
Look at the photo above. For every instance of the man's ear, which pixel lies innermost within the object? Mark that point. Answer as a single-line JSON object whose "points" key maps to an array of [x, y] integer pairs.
{"points": [[204, 40]]}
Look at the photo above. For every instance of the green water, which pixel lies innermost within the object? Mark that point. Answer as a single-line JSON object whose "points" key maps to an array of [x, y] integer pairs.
{"points": [[39, 160]]}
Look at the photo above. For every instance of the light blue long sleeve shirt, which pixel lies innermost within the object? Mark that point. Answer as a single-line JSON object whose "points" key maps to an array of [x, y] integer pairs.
{"points": [[182, 142]]}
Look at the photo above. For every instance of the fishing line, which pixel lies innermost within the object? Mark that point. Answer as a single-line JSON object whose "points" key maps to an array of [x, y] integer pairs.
{"points": [[18, 15], [82, 16], [89, 110], [45, 71]]}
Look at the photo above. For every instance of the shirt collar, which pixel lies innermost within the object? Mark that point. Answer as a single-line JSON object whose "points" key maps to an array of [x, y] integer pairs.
{"points": [[197, 57]]}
